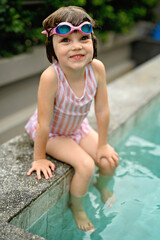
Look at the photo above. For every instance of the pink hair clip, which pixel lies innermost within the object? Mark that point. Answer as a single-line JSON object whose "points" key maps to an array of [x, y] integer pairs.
{"points": [[46, 32]]}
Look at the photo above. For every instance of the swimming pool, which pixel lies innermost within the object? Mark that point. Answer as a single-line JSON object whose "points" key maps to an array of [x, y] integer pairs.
{"points": [[136, 184]]}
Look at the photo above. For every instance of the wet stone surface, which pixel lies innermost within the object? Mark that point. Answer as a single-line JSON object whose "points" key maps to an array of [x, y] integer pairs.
{"points": [[126, 96]]}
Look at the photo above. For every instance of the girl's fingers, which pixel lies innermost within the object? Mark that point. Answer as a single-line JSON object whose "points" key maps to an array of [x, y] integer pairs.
{"points": [[30, 171], [112, 163], [49, 172], [52, 166], [38, 174], [116, 154], [45, 174], [115, 158]]}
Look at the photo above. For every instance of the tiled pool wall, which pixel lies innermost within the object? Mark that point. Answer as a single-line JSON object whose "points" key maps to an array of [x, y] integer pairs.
{"points": [[24, 199], [42, 204]]}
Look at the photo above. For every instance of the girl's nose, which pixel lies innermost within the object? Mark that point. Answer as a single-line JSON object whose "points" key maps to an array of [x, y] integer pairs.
{"points": [[76, 46]]}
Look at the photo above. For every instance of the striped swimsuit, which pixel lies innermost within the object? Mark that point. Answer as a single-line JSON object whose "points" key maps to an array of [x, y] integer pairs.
{"points": [[70, 111]]}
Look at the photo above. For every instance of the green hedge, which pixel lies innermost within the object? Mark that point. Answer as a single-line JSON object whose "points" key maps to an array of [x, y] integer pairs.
{"points": [[20, 23]]}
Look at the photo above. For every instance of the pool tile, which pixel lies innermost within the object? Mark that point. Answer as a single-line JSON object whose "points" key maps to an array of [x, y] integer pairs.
{"points": [[22, 220], [67, 181], [38, 208], [53, 234], [55, 221], [40, 226], [54, 193]]}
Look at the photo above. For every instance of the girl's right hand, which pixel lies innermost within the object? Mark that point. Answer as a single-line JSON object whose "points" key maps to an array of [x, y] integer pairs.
{"points": [[43, 165]]}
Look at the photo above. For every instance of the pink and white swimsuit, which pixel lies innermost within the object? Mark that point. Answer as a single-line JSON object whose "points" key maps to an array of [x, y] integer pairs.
{"points": [[70, 111]]}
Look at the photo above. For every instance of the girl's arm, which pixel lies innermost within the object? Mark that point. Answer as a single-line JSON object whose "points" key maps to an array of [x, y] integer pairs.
{"points": [[102, 116], [46, 93]]}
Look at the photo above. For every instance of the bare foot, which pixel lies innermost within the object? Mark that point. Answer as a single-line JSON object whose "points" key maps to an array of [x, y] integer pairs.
{"points": [[107, 197], [82, 220]]}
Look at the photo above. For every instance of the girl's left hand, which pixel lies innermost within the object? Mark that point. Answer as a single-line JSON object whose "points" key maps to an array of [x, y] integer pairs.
{"points": [[108, 152]]}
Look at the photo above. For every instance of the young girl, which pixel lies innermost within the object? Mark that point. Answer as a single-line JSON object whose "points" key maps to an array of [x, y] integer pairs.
{"points": [[59, 126]]}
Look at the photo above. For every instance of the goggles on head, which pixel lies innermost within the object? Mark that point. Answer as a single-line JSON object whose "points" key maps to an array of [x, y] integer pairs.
{"points": [[65, 28]]}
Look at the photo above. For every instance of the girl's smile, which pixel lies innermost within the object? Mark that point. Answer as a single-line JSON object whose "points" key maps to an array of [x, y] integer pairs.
{"points": [[77, 56]]}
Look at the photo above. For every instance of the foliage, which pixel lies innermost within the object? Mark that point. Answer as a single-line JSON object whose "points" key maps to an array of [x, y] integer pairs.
{"points": [[21, 24], [16, 28]]}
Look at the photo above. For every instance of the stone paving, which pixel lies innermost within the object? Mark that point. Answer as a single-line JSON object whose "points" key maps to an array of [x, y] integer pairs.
{"points": [[27, 197]]}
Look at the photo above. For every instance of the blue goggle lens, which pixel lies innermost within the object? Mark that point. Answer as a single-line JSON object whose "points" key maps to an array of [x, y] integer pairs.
{"points": [[87, 28], [63, 29]]}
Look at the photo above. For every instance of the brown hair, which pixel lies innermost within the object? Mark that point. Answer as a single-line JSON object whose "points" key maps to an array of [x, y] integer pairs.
{"points": [[72, 14]]}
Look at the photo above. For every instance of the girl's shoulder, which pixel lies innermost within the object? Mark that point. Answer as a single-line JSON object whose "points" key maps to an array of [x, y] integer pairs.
{"points": [[49, 76], [97, 65], [98, 68], [49, 79]]}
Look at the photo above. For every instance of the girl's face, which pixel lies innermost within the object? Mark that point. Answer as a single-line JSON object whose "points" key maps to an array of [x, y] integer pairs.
{"points": [[73, 51]]}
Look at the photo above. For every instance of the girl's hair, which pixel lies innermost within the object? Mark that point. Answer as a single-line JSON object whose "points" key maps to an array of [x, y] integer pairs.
{"points": [[72, 14]]}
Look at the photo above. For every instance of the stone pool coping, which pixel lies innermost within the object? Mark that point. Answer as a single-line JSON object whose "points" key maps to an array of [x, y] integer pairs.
{"points": [[126, 96]]}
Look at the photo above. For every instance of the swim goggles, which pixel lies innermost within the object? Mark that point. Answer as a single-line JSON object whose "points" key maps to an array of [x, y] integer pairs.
{"points": [[65, 28]]}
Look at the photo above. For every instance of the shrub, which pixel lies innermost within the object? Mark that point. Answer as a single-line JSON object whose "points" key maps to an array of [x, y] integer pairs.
{"points": [[20, 23], [16, 28]]}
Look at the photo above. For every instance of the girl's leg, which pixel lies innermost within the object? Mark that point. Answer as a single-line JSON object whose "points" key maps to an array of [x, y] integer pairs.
{"points": [[105, 172], [68, 151]]}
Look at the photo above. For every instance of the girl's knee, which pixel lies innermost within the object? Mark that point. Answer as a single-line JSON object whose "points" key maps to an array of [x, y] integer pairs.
{"points": [[106, 169], [86, 167]]}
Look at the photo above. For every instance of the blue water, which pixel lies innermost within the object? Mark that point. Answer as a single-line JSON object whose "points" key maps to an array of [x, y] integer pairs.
{"points": [[136, 184]]}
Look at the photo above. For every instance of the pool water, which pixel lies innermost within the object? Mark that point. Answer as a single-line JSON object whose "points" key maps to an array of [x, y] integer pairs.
{"points": [[136, 184]]}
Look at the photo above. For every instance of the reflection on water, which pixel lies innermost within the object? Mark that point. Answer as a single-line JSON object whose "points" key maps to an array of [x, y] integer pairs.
{"points": [[144, 145]]}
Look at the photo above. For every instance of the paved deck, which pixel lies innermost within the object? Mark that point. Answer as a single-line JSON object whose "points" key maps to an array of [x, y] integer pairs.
{"points": [[19, 193]]}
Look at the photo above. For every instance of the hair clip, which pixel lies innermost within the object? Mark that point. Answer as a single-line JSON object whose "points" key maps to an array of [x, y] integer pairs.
{"points": [[46, 31]]}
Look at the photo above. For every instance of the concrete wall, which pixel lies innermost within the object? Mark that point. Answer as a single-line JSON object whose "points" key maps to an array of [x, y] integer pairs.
{"points": [[18, 90]]}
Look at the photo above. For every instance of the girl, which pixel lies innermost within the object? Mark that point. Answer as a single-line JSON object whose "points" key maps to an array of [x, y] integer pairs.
{"points": [[59, 126]]}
